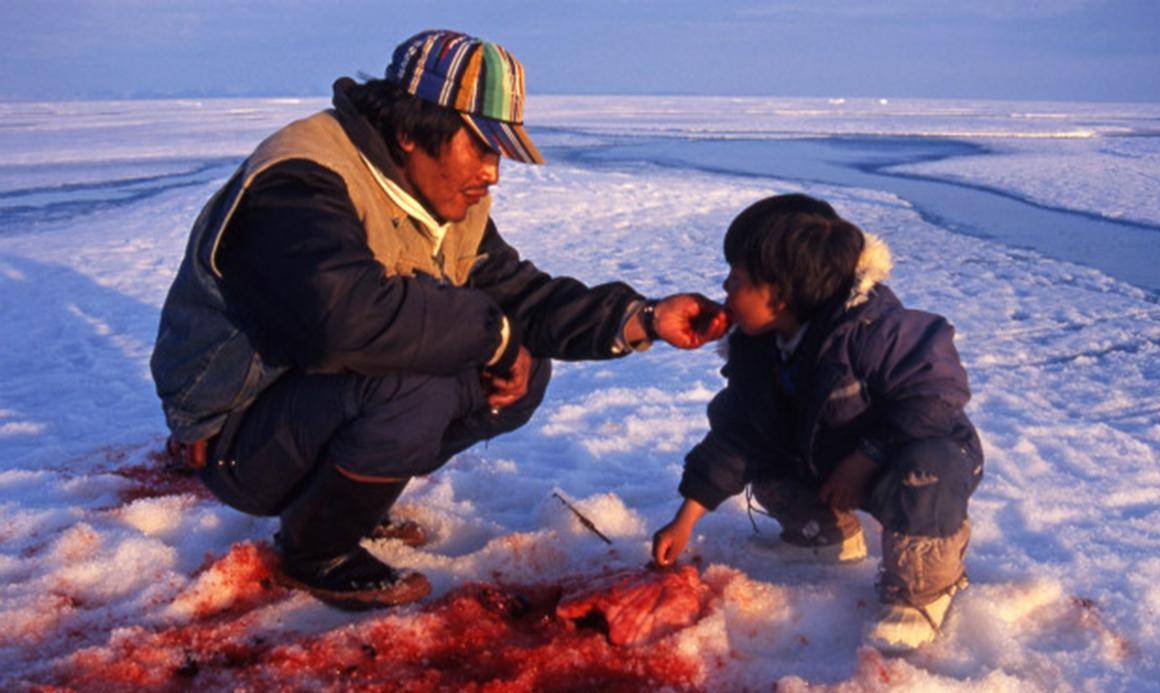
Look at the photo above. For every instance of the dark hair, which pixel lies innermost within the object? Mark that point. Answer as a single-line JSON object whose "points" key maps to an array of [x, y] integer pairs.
{"points": [[393, 112], [799, 245]]}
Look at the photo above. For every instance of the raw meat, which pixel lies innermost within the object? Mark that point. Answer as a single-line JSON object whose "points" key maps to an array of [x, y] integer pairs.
{"points": [[640, 607]]}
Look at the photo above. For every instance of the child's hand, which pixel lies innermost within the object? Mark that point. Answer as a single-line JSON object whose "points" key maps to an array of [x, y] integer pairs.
{"points": [[670, 540], [847, 486]]}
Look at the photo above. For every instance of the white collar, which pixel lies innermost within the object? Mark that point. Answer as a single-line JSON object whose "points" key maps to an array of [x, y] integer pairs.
{"points": [[410, 205]]}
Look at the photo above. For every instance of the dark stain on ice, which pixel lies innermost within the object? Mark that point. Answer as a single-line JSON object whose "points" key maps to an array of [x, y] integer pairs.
{"points": [[21, 210]]}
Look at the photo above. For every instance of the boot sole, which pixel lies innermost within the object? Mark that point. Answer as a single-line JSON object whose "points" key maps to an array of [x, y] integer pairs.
{"points": [[410, 533], [408, 590]]}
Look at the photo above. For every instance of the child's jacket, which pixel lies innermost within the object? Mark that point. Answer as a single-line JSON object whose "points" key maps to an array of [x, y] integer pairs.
{"points": [[869, 374]]}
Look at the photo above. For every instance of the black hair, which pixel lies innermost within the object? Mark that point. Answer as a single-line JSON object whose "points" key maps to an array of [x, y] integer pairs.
{"points": [[394, 112], [799, 245]]}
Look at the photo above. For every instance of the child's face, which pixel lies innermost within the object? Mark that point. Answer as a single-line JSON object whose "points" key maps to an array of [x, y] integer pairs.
{"points": [[754, 307]]}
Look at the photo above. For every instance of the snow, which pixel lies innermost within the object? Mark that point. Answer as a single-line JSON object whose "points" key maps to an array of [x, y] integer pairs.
{"points": [[1066, 173], [1097, 158], [98, 551]]}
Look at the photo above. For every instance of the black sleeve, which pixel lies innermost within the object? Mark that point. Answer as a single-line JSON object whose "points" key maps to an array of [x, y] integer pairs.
{"points": [[305, 286], [715, 468], [560, 317]]}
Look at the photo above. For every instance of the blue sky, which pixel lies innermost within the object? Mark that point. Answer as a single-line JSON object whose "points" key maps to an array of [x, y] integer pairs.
{"points": [[1095, 50]]}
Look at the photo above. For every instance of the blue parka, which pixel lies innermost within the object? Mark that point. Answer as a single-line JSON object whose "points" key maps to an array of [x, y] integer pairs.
{"points": [[869, 374]]}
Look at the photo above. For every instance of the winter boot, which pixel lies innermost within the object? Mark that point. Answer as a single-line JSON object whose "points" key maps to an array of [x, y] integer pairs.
{"points": [[812, 532], [918, 579], [407, 531], [319, 542], [790, 548]]}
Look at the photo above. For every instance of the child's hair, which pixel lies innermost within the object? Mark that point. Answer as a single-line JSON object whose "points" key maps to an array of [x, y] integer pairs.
{"points": [[799, 245]]}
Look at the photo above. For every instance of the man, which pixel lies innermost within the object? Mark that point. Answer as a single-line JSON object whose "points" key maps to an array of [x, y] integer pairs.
{"points": [[347, 315]]}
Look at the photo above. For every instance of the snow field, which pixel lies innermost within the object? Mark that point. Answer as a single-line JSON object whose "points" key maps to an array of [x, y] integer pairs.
{"points": [[1063, 363], [1085, 157]]}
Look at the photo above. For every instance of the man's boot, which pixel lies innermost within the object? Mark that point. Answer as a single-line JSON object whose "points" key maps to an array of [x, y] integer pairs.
{"points": [[918, 578], [409, 532], [319, 542]]}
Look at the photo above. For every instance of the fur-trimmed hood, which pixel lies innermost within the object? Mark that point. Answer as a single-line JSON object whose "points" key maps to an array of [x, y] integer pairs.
{"points": [[874, 265]]}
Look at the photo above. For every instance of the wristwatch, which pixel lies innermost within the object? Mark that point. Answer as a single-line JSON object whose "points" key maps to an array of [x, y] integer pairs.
{"points": [[648, 320]]}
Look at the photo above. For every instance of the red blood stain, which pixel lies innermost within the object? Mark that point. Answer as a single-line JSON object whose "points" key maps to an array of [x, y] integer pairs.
{"points": [[1086, 612], [159, 476], [873, 667], [240, 581], [477, 637]]}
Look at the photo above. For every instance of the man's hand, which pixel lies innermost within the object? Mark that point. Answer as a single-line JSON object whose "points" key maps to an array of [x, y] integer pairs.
{"points": [[847, 486], [504, 390], [670, 540], [689, 321]]}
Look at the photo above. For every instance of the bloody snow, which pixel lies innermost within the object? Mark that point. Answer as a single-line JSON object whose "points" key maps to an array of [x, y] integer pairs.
{"points": [[479, 635], [117, 574]]}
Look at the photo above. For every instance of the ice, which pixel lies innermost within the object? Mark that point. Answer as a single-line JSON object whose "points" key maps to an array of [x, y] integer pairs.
{"points": [[1066, 173], [113, 568]]}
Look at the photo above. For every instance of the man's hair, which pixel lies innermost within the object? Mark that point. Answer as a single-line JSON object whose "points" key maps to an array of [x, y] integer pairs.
{"points": [[393, 112], [799, 245]]}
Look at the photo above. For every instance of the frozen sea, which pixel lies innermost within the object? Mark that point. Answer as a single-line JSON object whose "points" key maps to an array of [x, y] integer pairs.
{"points": [[1035, 227]]}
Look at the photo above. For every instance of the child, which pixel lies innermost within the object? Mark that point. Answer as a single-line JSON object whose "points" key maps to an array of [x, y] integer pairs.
{"points": [[838, 398]]}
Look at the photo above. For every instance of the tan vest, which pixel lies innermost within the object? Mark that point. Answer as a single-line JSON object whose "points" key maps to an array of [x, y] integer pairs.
{"points": [[403, 246]]}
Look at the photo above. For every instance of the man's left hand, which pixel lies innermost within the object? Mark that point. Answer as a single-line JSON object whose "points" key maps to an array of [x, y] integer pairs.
{"points": [[504, 390], [689, 321]]}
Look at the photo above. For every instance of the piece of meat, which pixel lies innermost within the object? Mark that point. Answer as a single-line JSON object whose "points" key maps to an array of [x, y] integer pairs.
{"points": [[640, 606]]}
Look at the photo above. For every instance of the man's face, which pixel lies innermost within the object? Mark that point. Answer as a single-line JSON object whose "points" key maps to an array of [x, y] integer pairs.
{"points": [[455, 179], [755, 308]]}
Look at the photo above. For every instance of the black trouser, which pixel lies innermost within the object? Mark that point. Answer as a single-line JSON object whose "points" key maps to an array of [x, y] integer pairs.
{"points": [[923, 491], [395, 426], [921, 500]]}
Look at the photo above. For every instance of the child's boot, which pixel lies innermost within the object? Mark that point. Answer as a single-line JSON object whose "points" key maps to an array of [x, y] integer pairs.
{"points": [[918, 578], [812, 532]]}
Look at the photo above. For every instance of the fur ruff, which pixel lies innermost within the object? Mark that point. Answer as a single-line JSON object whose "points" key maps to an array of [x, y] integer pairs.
{"points": [[874, 265]]}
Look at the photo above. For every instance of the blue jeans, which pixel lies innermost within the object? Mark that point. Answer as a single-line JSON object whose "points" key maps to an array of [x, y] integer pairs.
{"points": [[395, 426]]}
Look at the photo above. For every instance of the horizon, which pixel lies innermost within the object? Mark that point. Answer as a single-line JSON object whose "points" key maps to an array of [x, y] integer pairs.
{"points": [[1091, 51], [534, 95]]}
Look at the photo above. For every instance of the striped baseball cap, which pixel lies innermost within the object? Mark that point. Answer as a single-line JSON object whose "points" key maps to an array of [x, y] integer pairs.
{"points": [[479, 79]]}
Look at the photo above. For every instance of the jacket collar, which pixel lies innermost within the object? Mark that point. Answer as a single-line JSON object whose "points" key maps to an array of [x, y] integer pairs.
{"points": [[365, 137], [865, 300]]}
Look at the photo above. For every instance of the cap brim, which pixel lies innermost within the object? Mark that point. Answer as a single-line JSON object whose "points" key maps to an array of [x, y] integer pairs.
{"points": [[509, 139]]}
